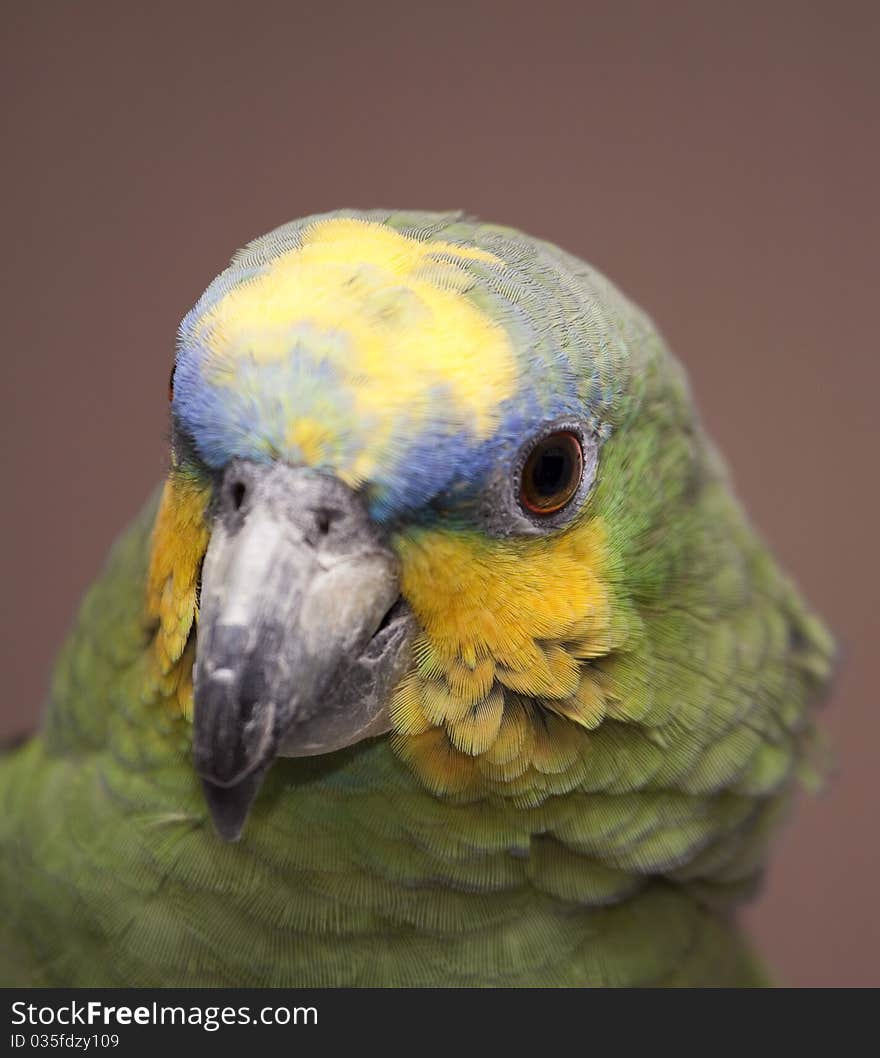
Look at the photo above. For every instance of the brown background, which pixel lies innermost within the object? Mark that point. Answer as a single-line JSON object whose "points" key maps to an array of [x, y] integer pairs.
{"points": [[721, 162]]}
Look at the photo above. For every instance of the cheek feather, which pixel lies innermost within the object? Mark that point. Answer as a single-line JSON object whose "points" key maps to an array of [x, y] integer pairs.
{"points": [[501, 692], [479, 598], [180, 538]]}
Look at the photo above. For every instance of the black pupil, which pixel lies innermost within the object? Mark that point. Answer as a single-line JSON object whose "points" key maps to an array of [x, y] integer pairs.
{"points": [[552, 471]]}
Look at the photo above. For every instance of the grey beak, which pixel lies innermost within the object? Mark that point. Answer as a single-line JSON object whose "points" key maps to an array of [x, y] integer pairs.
{"points": [[301, 634]]}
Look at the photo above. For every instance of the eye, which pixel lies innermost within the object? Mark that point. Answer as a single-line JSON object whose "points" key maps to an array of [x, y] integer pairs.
{"points": [[552, 473], [171, 384]]}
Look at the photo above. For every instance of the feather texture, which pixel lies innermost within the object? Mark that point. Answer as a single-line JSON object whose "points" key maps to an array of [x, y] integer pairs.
{"points": [[602, 725]]}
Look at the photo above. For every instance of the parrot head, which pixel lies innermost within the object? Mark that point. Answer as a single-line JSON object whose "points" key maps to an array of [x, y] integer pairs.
{"points": [[430, 480]]}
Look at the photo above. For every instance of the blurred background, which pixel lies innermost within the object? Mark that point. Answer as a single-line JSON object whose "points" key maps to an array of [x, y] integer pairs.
{"points": [[720, 162]]}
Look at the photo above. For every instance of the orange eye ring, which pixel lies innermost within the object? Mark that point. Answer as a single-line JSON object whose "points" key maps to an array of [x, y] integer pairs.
{"points": [[552, 473]]}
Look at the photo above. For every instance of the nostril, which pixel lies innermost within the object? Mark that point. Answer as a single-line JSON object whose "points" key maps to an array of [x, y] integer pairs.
{"points": [[237, 492], [324, 519]]}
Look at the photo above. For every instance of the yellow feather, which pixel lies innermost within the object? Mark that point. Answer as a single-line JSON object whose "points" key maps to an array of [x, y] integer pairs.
{"points": [[586, 706], [180, 538], [515, 731], [479, 727], [386, 299], [505, 618]]}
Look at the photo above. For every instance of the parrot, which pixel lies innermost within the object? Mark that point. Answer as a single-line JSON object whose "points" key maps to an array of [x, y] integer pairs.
{"points": [[444, 656]]}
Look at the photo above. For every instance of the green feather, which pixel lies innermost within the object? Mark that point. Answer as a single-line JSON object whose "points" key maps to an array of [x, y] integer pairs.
{"points": [[624, 869]]}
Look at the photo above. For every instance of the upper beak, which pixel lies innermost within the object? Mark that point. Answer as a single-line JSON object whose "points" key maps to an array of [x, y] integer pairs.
{"points": [[299, 639]]}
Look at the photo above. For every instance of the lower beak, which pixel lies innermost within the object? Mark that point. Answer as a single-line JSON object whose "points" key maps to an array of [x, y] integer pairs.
{"points": [[301, 635]]}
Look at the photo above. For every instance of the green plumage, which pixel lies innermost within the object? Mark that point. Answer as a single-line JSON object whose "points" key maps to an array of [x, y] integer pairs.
{"points": [[351, 873]]}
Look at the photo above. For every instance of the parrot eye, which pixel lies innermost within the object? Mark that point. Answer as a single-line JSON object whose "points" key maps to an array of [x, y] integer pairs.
{"points": [[552, 473], [171, 384]]}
